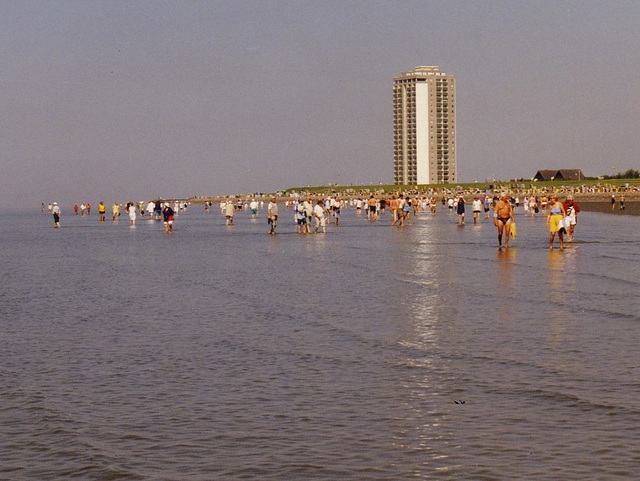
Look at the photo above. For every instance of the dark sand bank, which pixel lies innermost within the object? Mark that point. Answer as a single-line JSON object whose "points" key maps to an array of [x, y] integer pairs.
{"points": [[631, 208]]}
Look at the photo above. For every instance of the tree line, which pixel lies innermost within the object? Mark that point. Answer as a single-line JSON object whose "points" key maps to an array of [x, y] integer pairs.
{"points": [[629, 174]]}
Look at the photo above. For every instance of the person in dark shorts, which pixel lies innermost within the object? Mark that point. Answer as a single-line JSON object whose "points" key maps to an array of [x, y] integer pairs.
{"points": [[56, 215], [167, 215], [272, 212]]}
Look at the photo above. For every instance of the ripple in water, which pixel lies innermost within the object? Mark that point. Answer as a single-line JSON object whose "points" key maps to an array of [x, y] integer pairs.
{"points": [[369, 353]]}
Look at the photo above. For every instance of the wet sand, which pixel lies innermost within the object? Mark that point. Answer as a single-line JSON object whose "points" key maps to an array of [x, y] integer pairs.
{"points": [[631, 208]]}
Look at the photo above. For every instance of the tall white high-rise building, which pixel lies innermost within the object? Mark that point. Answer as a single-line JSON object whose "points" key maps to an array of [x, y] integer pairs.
{"points": [[424, 127]]}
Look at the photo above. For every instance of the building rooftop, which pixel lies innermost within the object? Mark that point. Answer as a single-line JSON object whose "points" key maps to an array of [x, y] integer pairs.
{"points": [[421, 72]]}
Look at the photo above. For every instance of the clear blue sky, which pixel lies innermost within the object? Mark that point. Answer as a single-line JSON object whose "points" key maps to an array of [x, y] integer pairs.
{"points": [[127, 100]]}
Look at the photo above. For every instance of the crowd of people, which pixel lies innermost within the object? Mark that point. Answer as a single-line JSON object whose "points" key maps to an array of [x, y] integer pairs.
{"points": [[314, 215], [162, 210], [311, 215]]}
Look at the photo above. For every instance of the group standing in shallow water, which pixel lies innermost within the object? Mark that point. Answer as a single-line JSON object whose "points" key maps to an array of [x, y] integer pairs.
{"points": [[561, 218]]}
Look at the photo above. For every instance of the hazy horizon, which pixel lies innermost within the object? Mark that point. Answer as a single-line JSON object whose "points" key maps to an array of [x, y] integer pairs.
{"points": [[131, 100]]}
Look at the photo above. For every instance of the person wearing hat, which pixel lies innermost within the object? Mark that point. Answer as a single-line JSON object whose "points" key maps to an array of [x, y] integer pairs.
{"points": [[167, 214], [571, 209], [56, 215], [230, 211]]}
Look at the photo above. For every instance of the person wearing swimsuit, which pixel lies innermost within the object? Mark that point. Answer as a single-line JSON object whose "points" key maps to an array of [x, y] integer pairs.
{"points": [[555, 215], [502, 218]]}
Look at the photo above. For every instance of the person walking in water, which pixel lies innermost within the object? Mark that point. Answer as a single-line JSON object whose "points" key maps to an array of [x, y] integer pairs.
{"points": [[460, 210], [336, 206], [533, 205], [307, 205], [102, 210], [301, 220], [150, 208], [115, 210], [571, 210], [230, 211], [318, 213], [502, 219], [167, 214], [433, 205], [372, 211], [131, 210], [397, 211], [405, 215], [393, 207], [477, 208], [272, 215], [254, 208], [55, 210], [555, 215]]}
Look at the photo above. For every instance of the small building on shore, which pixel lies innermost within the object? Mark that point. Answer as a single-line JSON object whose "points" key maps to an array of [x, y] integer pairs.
{"points": [[560, 174]]}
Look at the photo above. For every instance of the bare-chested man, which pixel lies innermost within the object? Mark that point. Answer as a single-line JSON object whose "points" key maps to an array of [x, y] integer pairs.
{"points": [[502, 218], [372, 210]]}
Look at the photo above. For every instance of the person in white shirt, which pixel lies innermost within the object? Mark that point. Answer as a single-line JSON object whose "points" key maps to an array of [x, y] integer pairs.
{"points": [[318, 214], [336, 206], [230, 211], [151, 206], [254, 208], [131, 209], [55, 210], [272, 212], [477, 208], [308, 213], [358, 206]]}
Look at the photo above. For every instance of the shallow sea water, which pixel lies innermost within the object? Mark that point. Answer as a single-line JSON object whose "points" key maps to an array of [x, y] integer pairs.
{"points": [[368, 353]]}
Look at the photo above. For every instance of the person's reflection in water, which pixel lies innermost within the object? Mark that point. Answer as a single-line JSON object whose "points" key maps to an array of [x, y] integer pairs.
{"points": [[505, 259]]}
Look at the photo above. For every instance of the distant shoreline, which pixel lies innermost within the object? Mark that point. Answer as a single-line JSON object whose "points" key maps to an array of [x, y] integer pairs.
{"points": [[588, 202], [590, 197]]}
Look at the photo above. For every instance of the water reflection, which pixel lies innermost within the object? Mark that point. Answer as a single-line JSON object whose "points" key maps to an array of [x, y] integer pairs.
{"points": [[561, 274], [559, 292], [554, 275], [505, 285], [426, 306], [428, 315]]}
